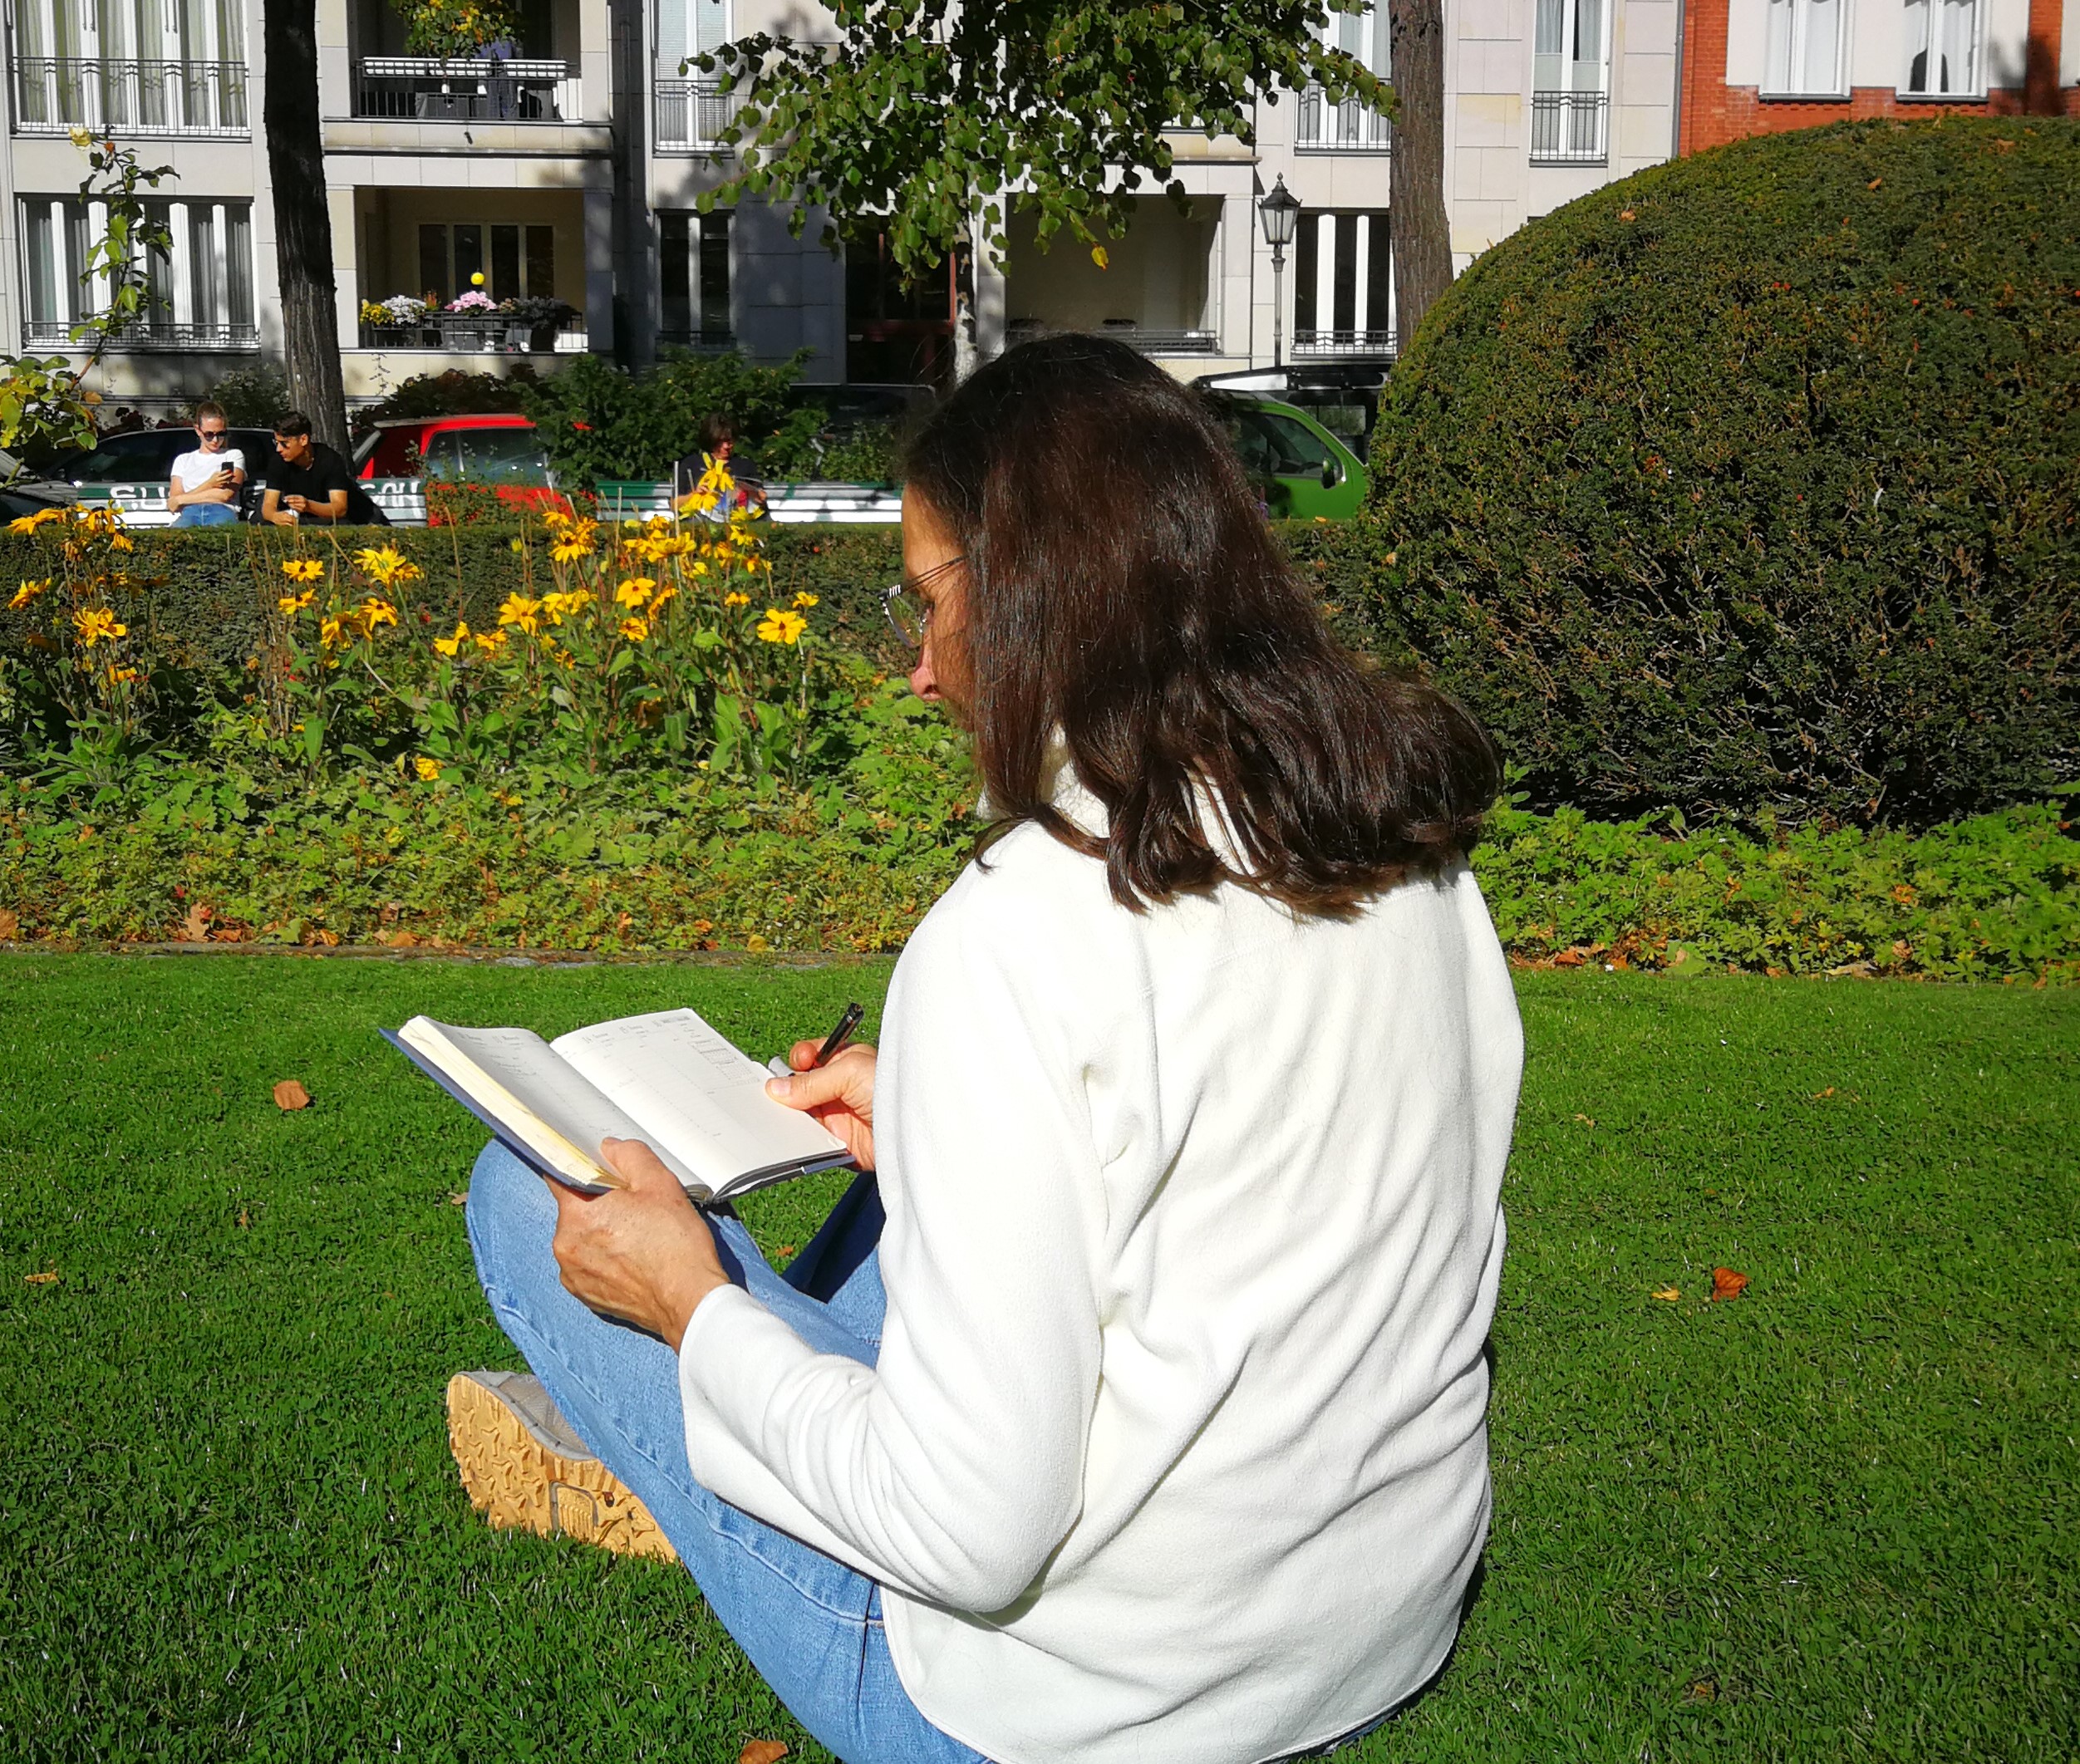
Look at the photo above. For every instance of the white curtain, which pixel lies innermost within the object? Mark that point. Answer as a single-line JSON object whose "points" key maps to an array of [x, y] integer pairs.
{"points": [[1942, 45]]}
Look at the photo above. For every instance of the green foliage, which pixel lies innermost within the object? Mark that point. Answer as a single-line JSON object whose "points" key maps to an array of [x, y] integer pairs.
{"points": [[600, 421], [254, 397], [927, 117], [456, 29], [450, 393], [1829, 1520], [1748, 481]]}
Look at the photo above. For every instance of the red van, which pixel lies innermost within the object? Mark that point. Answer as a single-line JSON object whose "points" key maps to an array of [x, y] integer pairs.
{"points": [[503, 450]]}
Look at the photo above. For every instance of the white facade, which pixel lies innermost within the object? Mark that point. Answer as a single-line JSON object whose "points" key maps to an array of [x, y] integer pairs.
{"points": [[569, 169]]}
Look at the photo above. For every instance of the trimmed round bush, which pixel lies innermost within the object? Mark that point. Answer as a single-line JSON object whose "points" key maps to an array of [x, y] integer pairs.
{"points": [[1751, 482]]}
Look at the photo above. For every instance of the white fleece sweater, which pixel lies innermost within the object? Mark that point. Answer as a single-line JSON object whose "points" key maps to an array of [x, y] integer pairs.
{"points": [[1176, 1453]]}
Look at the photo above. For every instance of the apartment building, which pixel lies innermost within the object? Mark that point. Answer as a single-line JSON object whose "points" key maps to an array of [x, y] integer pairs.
{"points": [[565, 169]]}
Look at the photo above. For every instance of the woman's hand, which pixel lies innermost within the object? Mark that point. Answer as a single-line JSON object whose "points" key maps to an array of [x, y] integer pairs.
{"points": [[642, 1253], [841, 1095]]}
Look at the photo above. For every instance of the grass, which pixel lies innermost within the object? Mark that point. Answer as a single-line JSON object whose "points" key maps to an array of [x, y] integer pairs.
{"points": [[1832, 1519]]}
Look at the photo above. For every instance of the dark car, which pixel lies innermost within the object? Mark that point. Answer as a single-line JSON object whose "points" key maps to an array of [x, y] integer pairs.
{"points": [[147, 456]]}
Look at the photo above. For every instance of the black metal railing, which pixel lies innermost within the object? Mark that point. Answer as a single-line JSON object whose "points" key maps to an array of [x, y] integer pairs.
{"points": [[1320, 343], [145, 333], [1349, 127], [425, 89], [701, 342], [56, 93], [692, 113], [1570, 128], [479, 333]]}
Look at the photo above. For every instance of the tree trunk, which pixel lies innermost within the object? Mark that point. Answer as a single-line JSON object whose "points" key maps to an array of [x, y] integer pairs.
{"points": [[1422, 233], [302, 219]]}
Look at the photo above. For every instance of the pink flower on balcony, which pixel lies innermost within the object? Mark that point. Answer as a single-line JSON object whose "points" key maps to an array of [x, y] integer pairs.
{"points": [[472, 301]]}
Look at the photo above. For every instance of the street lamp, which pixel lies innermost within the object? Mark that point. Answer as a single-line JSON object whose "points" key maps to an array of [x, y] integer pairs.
{"points": [[1280, 213]]}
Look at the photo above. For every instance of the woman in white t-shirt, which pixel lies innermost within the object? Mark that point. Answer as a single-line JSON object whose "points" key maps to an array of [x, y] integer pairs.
{"points": [[1132, 1411], [203, 488]]}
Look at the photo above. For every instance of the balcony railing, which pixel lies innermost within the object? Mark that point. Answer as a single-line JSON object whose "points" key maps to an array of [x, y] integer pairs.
{"points": [[1349, 127], [691, 114], [145, 334], [1319, 344], [469, 333], [54, 95], [1150, 340], [423, 89], [1570, 128], [699, 342]]}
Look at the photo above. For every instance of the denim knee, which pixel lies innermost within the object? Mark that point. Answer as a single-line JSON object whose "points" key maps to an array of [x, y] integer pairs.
{"points": [[510, 1211]]}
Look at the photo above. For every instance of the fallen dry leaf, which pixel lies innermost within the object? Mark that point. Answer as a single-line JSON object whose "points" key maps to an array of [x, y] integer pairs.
{"points": [[786, 1249], [1586, 1120], [1705, 1690], [195, 927], [1726, 1284], [1669, 1294], [460, 1199], [1874, 183], [245, 1220], [1627, 214], [289, 1094], [10, 925], [41, 1280], [761, 1751], [1819, 1096]]}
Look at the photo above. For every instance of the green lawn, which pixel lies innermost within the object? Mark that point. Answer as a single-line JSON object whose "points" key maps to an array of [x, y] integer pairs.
{"points": [[1832, 1519]]}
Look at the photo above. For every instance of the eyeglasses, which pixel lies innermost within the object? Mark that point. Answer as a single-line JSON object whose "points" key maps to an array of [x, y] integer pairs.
{"points": [[909, 610], [214, 434]]}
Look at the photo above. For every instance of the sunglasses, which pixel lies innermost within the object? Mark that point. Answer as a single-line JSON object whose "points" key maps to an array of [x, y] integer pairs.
{"points": [[909, 610]]}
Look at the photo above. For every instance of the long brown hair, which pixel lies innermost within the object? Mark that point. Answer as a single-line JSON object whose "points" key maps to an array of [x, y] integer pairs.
{"points": [[1123, 587]]}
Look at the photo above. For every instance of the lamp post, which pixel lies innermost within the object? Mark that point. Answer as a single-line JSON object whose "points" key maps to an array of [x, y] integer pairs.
{"points": [[1280, 213]]}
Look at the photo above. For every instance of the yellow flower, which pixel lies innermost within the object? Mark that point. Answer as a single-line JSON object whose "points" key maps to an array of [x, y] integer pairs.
{"points": [[23, 524], [666, 591], [736, 600], [27, 592], [803, 602], [561, 606], [429, 769], [329, 629], [370, 613], [553, 518], [781, 627], [386, 565], [295, 604], [121, 676], [521, 611], [302, 569], [490, 642], [449, 645], [635, 592], [635, 630], [95, 623], [578, 542]]}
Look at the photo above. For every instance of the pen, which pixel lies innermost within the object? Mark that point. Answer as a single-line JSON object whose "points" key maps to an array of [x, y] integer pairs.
{"points": [[833, 1042]]}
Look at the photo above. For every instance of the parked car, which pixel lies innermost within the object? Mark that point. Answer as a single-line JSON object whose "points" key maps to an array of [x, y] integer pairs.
{"points": [[498, 448], [143, 458], [1302, 471], [23, 491]]}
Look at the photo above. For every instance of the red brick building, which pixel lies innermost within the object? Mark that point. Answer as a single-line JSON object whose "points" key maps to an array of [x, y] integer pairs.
{"points": [[1760, 67]]}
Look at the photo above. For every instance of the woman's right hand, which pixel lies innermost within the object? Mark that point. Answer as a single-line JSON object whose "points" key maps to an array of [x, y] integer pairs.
{"points": [[841, 1094]]}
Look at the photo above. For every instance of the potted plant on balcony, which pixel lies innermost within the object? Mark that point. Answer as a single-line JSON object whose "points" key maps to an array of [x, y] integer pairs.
{"points": [[457, 33], [398, 321], [467, 322], [532, 322]]}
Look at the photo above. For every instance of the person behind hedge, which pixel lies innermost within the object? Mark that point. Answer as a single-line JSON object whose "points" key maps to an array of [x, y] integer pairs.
{"points": [[309, 484], [203, 487], [1132, 1407]]}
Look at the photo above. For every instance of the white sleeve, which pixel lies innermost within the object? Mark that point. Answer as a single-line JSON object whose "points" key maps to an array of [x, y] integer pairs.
{"points": [[953, 1469]]}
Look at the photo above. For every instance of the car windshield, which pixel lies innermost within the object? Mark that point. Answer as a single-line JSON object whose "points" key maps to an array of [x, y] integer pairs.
{"points": [[145, 454]]}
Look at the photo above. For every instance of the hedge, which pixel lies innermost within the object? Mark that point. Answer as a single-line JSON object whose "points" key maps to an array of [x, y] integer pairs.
{"points": [[1749, 481]]}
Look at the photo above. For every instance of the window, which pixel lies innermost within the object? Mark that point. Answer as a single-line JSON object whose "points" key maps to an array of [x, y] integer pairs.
{"points": [[142, 66], [513, 259], [1570, 82], [1343, 284], [691, 111], [1801, 55], [1942, 49], [694, 273], [199, 297], [506, 455], [1349, 127]]}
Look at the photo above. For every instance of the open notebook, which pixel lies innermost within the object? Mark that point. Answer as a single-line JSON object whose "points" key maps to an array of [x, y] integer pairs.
{"points": [[667, 1079]]}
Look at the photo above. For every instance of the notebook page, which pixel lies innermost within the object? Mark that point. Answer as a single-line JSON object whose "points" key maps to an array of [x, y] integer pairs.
{"points": [[697, 1097], [515, 1075]]}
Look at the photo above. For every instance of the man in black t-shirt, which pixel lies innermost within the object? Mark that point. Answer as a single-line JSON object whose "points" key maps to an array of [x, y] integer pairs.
{"points": [[310, 485]]}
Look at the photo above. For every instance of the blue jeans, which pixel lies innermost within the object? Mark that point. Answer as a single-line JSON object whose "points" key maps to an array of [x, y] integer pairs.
{"points": [[810, 1624], [207, 514]]}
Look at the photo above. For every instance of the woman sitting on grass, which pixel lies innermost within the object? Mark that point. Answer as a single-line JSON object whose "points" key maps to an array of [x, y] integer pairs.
{"points": [[1133, 1407]]}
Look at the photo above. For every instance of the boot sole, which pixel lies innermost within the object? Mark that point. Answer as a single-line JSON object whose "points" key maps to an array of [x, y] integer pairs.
{"points": [[518, 1483]]}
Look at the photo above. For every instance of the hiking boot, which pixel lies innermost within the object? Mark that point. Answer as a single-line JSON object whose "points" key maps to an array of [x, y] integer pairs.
{"points": [[523, 1467]]}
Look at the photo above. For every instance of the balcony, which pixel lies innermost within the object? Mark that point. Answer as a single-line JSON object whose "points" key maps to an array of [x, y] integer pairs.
{"points": [[54, 95], [698, 342], [1151, 340], [1570, 128], [145, 334], [691, 115], [489, 333], [408, 88], [1349, 127], [1319, 345]]}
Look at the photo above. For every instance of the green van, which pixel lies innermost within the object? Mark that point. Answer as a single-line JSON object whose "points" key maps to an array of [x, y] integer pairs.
{"points": [[1302, 471]]}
